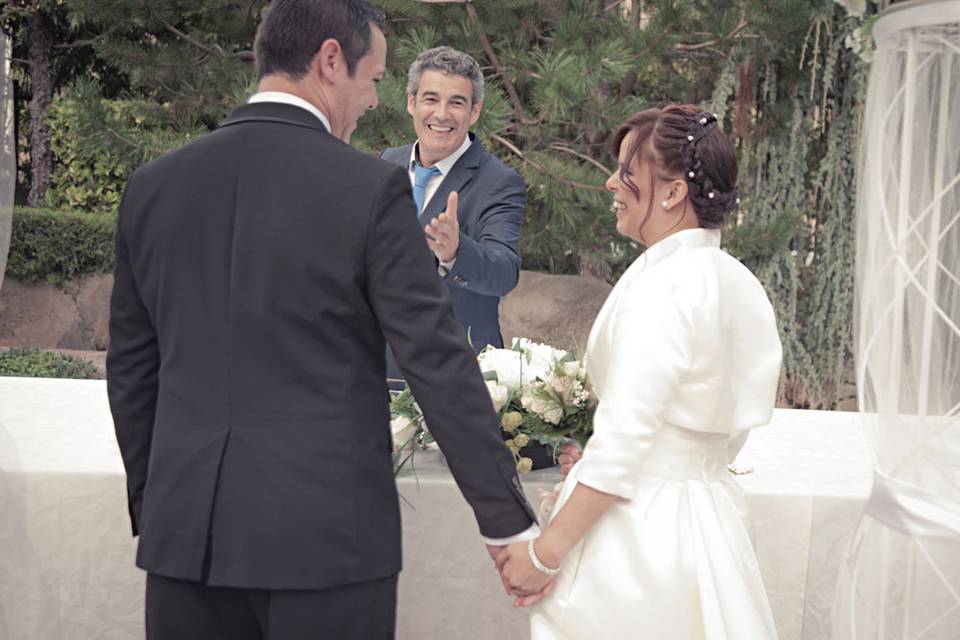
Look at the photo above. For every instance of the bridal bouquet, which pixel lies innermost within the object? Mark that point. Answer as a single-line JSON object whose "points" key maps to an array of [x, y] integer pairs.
{"points": [[407, 428], [540, 393]]}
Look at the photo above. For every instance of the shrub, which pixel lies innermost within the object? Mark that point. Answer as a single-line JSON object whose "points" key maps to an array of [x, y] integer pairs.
{"points": [[60, 245], [30, 362]]}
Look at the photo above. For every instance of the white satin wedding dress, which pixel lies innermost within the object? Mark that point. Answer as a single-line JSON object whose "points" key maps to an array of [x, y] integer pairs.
{"points": [[685, 360]]}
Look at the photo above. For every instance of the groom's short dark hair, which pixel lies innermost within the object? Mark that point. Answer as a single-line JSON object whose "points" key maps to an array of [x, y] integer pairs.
{"points": [[293, 30]]}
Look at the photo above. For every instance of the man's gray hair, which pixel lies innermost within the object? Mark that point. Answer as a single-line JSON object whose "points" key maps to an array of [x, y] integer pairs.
{"points": [[448, 60]]}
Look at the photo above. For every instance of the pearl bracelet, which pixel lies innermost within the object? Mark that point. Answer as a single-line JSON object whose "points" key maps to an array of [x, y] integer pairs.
{"points": [[539, 566]]}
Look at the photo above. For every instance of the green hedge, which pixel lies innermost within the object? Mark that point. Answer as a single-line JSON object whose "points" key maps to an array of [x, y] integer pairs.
{"points": [[60, 245], [30, 362]]}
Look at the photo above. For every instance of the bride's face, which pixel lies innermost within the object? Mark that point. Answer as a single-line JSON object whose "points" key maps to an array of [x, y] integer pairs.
{"points": [[640, 213]]}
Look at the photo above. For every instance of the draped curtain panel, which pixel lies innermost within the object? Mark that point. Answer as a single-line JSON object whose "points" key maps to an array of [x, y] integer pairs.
{"points": [[901, 578], [8, 150]]}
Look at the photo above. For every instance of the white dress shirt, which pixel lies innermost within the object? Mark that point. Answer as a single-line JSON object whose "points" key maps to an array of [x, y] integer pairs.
{"points": [[444, 165], [433, 183], [288, 98]]}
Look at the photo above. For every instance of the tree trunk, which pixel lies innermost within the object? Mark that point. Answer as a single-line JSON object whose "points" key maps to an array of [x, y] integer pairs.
{"points": [[40, 29]]}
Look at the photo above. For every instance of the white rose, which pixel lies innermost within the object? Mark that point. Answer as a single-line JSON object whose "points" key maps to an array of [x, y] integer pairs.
{"points": [[498, 394], [571, 368], [505, 364], [543, 357], [402, 429], [539, 357]]}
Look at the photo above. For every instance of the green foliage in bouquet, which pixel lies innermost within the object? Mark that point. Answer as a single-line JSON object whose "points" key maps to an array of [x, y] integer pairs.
{"points": [[408, 429], [549, 410], [30, 362], [541, 395]]}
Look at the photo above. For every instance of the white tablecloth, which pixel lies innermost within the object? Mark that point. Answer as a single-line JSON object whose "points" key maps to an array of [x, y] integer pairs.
{"points": [[66, 555]]}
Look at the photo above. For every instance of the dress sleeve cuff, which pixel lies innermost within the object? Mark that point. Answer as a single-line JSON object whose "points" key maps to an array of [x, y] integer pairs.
{"points": [[611, 471]]}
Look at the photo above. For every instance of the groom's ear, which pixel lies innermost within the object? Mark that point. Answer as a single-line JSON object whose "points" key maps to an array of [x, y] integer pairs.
{"points": [[328, 62]]}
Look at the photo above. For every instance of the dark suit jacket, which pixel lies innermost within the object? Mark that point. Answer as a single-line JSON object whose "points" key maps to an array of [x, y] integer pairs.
{"points": [[490, 212], [258, 271]]}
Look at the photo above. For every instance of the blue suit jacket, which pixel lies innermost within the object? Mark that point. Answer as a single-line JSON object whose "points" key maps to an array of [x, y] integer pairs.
{"points": [[490, 211]]}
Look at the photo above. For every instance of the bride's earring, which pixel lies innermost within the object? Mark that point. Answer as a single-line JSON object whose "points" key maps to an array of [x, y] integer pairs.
{"points": [[664, 203]]}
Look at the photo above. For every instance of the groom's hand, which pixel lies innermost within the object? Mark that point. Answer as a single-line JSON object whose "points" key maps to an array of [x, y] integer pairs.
{"points": [[443, 232], [494, 551]]}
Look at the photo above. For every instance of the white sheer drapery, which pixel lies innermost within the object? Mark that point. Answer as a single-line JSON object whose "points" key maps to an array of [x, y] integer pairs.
{"points": [[8, 150], [902, 576]]}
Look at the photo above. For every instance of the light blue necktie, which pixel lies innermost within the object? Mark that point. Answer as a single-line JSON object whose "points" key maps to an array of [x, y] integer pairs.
{"points": [[421, 176]]}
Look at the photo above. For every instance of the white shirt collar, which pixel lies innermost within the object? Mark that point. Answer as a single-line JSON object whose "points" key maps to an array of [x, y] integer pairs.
{"points": [[288, 98], [447, 163], [697, 238]]}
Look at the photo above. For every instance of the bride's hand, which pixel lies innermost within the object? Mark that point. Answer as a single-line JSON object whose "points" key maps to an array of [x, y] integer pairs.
{"points": [[518, 571], [570, 454]]}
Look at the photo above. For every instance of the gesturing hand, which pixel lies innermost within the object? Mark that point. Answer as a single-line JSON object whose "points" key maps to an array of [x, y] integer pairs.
{"points": [[443, 232], [522, 578]]}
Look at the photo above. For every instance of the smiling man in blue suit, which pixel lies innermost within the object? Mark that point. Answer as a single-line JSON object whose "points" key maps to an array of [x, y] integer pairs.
{"points": [[469, 203]]}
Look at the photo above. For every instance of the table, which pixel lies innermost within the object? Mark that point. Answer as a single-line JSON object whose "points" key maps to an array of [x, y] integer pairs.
{"points": [[67, 559]]}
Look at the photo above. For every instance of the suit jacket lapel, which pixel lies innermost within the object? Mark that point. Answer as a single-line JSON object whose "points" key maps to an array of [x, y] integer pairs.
{"points": [[461, 173]]}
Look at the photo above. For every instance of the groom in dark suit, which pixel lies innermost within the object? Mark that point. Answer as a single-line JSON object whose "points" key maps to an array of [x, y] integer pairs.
{"points": [[259, 272], [475, 238]]}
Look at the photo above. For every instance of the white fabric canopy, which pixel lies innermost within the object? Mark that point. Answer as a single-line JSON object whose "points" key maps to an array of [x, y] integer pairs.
{"points": [[902, 577], [8, 151]]}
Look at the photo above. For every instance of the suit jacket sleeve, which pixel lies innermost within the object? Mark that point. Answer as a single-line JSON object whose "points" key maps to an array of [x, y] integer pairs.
{"points": [[488, 261], [133, 362], [415, 314]]}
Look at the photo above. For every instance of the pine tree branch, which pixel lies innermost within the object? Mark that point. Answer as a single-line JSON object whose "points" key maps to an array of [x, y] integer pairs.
{"points": [[556, 146], [89, 42], [214, 50], [492, 56], [517, 152], [737, 30]]}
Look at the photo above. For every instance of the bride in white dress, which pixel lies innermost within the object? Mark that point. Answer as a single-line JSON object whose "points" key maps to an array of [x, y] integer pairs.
{"points": [[647, 533]]}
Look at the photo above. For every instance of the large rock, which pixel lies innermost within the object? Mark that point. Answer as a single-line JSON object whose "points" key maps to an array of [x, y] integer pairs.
{"points": [[74, 315], [558, 310]]}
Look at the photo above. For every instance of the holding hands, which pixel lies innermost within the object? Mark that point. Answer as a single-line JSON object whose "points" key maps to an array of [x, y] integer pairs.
{"points": [[521, 576], [528, 569]]}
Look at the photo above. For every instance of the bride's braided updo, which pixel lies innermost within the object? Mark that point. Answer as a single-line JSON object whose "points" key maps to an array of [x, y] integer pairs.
{"points": [[684, 141]]}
